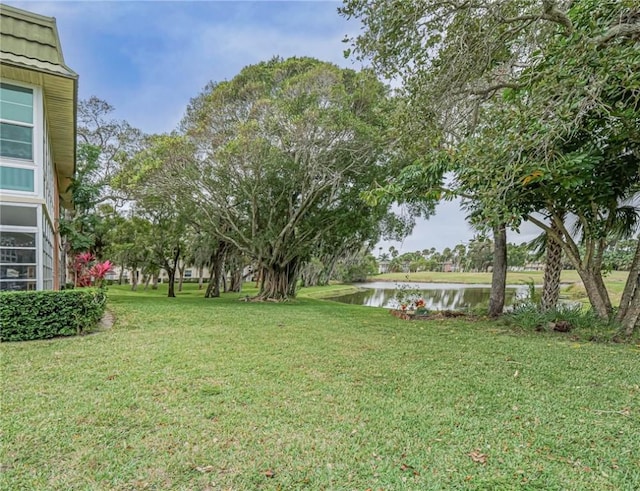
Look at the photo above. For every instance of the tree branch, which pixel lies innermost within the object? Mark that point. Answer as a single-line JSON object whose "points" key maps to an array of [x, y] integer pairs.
{"points": [[620, 30]]}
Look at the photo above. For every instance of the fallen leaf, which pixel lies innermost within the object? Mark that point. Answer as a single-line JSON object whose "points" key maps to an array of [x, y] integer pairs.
{"points": [[269, 473], [205, 468], [478, 457]]}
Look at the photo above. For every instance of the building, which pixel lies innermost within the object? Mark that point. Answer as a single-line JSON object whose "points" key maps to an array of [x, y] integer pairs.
{"points": [[38, 99]]}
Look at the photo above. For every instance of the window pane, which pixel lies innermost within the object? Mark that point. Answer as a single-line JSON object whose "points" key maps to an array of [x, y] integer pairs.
{"points": [[23, 216], [16, 141], [17, 239], [17, 285], [17, 256], [16, 179], [16, 112], [15, 94], [14, 272]]}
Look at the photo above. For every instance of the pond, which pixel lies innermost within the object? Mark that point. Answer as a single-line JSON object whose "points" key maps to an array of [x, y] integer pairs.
{"points": [[437, 296]]}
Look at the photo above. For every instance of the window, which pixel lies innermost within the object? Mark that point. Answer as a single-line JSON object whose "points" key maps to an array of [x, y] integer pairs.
{"points": [[16, 178], [16, 128], [18, 247], [20, 216], [17, 260]]}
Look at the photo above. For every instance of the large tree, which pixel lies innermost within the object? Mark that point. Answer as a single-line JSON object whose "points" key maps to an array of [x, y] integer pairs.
{"points": [[283, 152]]}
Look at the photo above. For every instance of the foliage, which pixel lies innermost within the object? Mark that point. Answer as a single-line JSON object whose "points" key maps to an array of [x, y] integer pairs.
{"points": [[534, 108], [409, 299], [46, 314], [283, 152], [582, 323], [89, 272]]}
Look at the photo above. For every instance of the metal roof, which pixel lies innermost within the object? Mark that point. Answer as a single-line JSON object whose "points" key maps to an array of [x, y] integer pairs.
{"points": [[30, 52]]}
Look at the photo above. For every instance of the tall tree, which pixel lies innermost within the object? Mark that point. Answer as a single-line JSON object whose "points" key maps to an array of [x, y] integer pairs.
{"points": [[284, 151]]}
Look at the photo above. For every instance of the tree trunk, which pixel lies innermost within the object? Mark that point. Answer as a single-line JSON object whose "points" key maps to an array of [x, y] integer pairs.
{"points": [[236, 280], [552, 271], [629, 311], [181, 278], [171, 271], [597, 292], [121, 277], [217, 263], [499, 273], [154, 283], [147, 279], [210, 287], [172, 280], [134, 280], [279, 283], [200, 277]]}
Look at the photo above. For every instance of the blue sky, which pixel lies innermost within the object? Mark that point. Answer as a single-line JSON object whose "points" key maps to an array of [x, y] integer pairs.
{"points": [[149, 58]]}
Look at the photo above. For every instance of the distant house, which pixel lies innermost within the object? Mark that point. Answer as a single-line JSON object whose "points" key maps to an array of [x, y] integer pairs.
{"points": [[383, 267], [38, 99]]}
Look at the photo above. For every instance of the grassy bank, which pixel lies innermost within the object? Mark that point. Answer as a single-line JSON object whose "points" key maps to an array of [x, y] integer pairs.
{"points": [[513, 277], [193, 393]]}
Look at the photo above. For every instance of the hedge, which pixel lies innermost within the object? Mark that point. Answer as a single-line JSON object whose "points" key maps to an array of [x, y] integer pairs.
{"points": [[46, 314]]}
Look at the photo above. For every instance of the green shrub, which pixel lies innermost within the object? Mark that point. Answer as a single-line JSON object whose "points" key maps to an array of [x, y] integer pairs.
{"points": [[582, 322], [46, 314]]}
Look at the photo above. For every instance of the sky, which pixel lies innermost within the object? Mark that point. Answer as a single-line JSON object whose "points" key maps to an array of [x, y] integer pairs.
{"points": [[149, 58]]}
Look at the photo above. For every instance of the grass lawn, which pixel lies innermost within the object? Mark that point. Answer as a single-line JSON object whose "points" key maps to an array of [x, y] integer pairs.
{"points": [[513, 277], [195, 394]]}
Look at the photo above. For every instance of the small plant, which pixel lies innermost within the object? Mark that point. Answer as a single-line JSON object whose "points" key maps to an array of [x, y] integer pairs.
{"points": [[88, 271], [410, 300]]}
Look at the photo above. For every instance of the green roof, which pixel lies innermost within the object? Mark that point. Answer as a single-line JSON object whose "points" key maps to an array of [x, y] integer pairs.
{"points": [[31, 41], [30, 52]]}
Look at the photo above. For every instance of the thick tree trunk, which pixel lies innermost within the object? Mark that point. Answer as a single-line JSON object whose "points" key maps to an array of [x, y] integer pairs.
{"points": [[499, 274], [597, 292], [279, 283], [217, 264], [236, 280], [223, 279], [552, 271], [210, 285]]}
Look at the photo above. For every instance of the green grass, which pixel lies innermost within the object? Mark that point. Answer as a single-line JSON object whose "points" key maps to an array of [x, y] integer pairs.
{"points": [[193, 393], [513, 277]]}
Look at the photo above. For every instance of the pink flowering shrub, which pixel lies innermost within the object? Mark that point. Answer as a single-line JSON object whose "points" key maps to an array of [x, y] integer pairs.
{"points": [[88, 271]]}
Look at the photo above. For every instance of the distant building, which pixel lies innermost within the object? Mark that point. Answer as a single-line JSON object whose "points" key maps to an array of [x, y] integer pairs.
{"points": [[38, 99], [383, 267]]}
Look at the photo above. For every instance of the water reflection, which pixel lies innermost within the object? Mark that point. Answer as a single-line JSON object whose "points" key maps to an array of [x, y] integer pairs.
{"points": [[437, 296]]}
